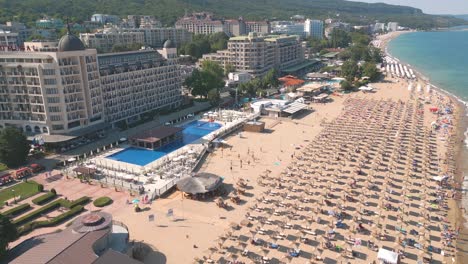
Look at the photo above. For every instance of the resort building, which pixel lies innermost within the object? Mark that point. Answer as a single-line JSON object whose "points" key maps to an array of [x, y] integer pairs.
{"points": [[8, 40], [200, 23], [392, 26], [235, 27], [205, 23], [379, 27], [108, 38], [262, 27], [91, 238], [336, 25], [138, 82], [288, 27], [314, 28], [19, 28], [50, 88], [256, 54], [155, 37]]}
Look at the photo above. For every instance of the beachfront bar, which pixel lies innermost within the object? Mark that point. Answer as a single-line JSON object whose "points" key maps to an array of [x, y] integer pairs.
{"points": [[156, 138]]}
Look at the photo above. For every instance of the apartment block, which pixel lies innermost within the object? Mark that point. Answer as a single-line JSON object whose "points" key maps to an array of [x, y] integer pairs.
{"points": [[257, 54], [110, 37]]}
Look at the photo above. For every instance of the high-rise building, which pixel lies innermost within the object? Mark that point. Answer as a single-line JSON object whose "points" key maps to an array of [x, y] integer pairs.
{"points": [[392, 26], [314, 28], [379, 27], [235, 27], [105, 40], [50, 88], [256, 54], [137, 82]]}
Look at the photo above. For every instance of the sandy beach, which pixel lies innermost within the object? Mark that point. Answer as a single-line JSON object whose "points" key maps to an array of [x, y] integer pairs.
{"points": [[364, 172], [305, 188], [457, 214]]}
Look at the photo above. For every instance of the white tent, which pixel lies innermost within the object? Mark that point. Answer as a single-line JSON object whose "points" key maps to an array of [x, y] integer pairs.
{"points": [[366, 88], [387, 256]]}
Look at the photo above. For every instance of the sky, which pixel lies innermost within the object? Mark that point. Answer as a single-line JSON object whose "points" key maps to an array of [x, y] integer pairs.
{"points": [[455, 7]]}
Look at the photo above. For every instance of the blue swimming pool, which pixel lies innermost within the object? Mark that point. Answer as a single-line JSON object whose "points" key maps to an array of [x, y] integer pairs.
{"points": [[192, 131]]}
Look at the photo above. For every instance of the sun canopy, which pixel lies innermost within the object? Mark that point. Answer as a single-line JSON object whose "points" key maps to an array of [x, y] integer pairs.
{"points": [[387, 256], [200, 183], [366, 88], [295, 107]]}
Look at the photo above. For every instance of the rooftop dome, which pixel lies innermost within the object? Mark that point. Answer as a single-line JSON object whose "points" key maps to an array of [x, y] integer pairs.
{"points": [[70, 42], [168, 44]]}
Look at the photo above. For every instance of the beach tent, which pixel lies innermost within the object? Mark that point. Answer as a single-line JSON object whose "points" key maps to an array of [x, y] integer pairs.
{"points": [[200, 183], [387, 256]]}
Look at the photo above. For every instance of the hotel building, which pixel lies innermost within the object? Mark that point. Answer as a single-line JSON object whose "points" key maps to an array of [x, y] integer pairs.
{"points": [[256, 54], [314, 28], [204, 23], [50, 89], [137, 82], [65, 90], [104, 41]]}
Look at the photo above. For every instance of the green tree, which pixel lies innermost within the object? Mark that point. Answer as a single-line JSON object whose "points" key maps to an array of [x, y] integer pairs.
{"points": [[376, 55], [370, 70], [249, 89], [271, 78], [339, 39], [8, 234], [359, 38], [214, 97], [350, 70], [213, 67], [228, 69], [14, 147], [204, 80], [345, 85]]}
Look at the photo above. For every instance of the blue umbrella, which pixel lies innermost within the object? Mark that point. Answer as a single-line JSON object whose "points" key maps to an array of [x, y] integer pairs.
{"points": [[135, 201]]}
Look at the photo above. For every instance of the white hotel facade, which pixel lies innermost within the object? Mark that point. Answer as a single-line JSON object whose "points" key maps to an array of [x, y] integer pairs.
{"points": [[62, 89]]}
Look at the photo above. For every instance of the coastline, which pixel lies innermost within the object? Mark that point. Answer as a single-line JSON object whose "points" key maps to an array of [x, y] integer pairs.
{"points": [[457, 214]]}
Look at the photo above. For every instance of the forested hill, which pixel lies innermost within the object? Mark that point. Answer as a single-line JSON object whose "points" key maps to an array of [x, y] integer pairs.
{"points": [[169, 10]]}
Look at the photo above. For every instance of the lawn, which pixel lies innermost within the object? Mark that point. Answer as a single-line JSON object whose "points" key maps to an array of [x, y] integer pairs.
{"points": [[3, 167], [24, 189]]}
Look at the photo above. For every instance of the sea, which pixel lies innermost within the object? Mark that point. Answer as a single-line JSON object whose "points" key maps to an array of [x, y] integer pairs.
{"points": [[442, 58]]}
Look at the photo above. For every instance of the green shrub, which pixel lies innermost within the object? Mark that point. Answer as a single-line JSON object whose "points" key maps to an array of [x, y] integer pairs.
{"points": [[53, 191], [37, 213], [102, 201], [44, 198], [50, 207], [40, 187], [80, 201], [17, 210], [28, 227]]}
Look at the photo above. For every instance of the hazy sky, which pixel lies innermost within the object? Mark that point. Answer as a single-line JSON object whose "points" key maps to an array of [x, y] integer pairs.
{"points": [[430, 6]]}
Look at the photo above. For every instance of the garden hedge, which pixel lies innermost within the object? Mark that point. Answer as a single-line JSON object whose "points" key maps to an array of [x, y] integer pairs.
{"points": [[17, 210], [26, 228], [102, 201], [49, 207], [44, 198]]}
